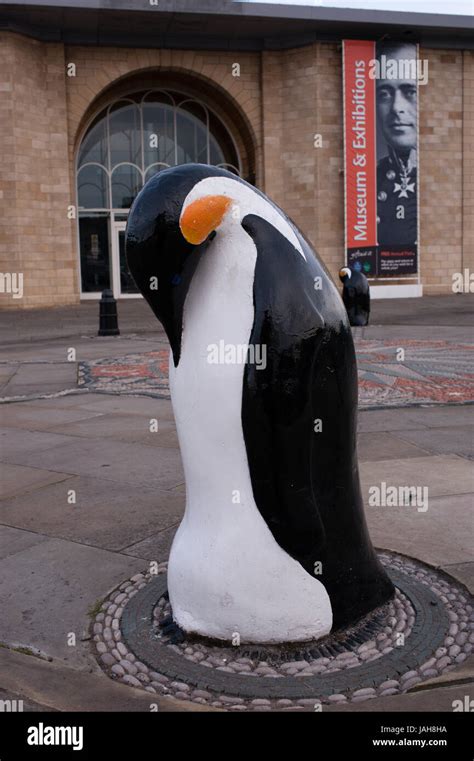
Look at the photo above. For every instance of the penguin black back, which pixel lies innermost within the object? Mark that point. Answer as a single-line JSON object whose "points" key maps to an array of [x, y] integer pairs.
{"points": [[299, 422]]}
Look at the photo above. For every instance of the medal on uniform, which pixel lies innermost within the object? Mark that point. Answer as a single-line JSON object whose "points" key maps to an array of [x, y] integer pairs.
{"points": [[404, 186]]}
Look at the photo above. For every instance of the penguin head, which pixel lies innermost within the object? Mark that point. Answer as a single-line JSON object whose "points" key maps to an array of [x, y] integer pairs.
{"points": [[161, 258], [173, 221], [344, 274]]}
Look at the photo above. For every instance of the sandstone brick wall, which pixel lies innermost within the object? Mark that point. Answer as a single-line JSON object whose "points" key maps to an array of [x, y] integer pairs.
{"points": [[468, 160], [280, 101], [35, 234], [9, 249], [302, 98], [441, 170]]}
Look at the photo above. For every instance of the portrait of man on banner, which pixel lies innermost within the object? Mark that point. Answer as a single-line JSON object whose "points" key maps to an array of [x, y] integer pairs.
{"points": [[397, 129]]}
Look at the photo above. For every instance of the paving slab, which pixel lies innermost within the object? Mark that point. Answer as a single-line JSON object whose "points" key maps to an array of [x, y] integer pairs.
{"points": [[97, 348], [106, 514], [46, 372], [74, 399], [463, 572], [56, 687], [121, 427], [48, 589], [7, 370], [134, 315], [442, 474], [86, 347], [140, 405], [112, 460], [156, 547], [18, 479], [457, 440], [14, 441], [103, 403], [441, 417], [33, 418], [415, 418], [13, 541], [387, 420], [29, 392], [6, 374], [27, 705], [386, 446], [436, 700], [450, 309], [414, 331], [440, 536], [34, 351], [167, 437]]}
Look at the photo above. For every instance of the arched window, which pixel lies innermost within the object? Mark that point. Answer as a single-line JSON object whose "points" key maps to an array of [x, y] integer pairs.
{"points": [[126, 144]]}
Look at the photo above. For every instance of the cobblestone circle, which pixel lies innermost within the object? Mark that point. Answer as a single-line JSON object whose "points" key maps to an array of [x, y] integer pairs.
{"points": [[388, 632]]}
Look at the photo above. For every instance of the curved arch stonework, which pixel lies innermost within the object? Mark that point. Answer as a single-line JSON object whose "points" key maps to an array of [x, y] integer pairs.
{"points": [[235, 100], [224, 107], [230, 122], [104, 76]]}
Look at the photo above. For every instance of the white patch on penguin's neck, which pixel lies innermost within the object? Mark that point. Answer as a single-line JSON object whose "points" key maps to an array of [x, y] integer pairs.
{"points": [[207, 396], [226, 572], [245, 201]]}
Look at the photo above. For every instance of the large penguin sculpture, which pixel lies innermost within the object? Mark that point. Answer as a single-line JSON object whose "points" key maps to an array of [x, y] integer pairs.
{"points": [[273, 546], [356, 296]]}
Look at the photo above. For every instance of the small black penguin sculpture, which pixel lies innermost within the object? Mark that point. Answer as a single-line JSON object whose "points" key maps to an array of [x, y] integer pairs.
{"points": [[356, 296]]}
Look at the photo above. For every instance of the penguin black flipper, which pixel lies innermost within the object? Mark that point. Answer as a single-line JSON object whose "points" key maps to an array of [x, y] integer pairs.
{"points": [[299, 424]]}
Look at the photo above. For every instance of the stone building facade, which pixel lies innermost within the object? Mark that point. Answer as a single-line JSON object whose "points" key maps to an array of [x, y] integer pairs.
{"points": [[270, 102]]}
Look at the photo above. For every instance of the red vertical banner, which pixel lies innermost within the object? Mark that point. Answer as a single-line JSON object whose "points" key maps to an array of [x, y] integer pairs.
{"points": [[360, 156]]}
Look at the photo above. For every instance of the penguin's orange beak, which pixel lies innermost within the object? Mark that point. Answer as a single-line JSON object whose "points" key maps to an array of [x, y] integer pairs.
{"points": [[202, 216]]}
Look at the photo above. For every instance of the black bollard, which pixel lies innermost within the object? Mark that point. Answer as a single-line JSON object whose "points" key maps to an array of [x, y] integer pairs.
{"points": [[108, 318]]}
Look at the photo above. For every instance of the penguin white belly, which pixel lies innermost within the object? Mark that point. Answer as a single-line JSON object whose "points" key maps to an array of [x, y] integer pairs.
{"points": [[227, 575]]}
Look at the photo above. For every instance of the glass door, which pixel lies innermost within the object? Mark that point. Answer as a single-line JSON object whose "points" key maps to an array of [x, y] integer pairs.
{"points": [[94, 237], [123, 283]]}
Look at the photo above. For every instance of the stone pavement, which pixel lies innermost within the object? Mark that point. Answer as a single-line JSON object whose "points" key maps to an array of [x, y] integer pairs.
{"points": [[135, 317], [88, 495]]}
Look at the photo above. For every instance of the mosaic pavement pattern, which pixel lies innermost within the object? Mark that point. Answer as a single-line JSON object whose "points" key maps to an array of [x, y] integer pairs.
{"points": [[391, 373]]}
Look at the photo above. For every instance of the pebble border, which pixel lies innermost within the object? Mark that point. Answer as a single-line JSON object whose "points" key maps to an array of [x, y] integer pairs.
{"points": [[370, 638], [441, 636]]}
